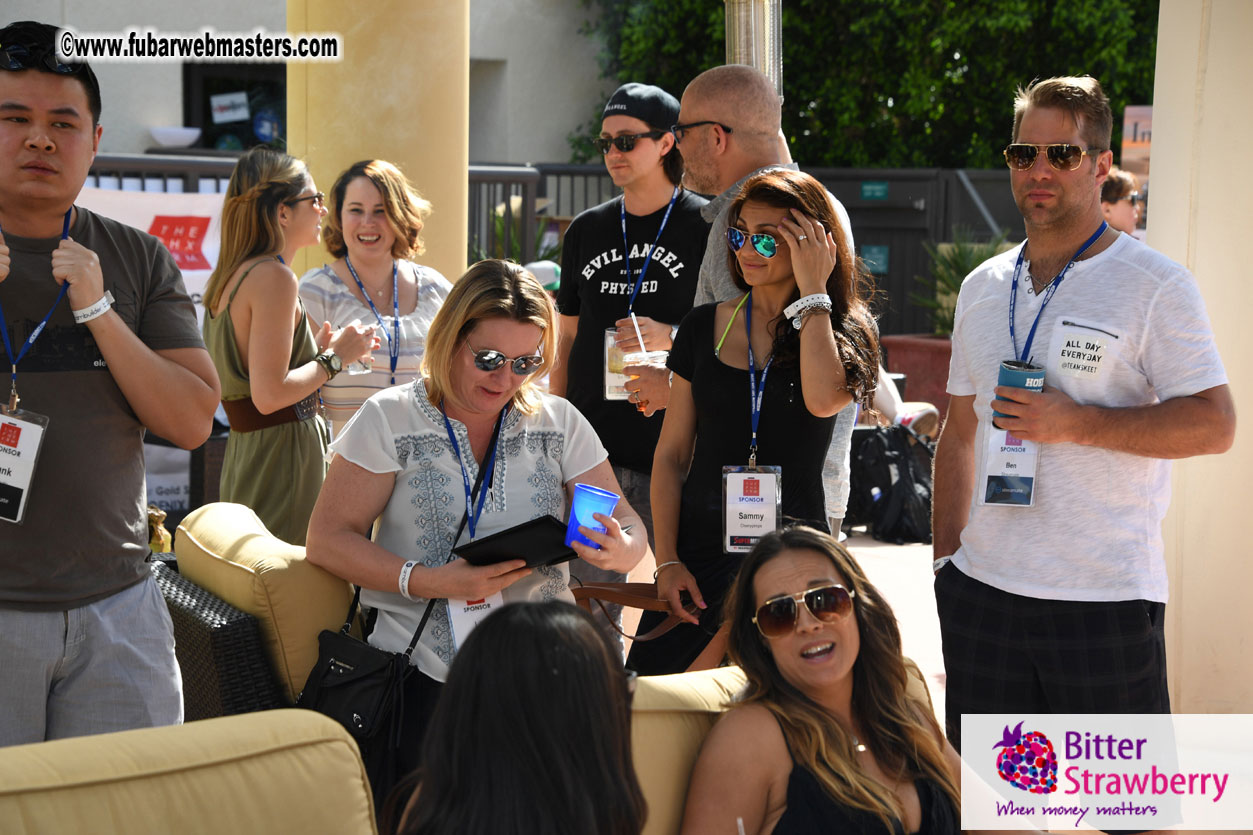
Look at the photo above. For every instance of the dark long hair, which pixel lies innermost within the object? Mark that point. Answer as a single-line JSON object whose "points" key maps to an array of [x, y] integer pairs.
{"points": [[902, 733], [531, 734], [849, 286]]}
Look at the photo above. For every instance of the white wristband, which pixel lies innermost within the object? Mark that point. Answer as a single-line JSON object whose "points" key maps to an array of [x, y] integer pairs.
{"points": [[405, 571], [806, 302], [98, 309]]}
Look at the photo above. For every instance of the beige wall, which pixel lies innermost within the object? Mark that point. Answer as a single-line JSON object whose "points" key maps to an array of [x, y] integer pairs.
{"points": [[139, 96], [1202, 123], [401, 94]]}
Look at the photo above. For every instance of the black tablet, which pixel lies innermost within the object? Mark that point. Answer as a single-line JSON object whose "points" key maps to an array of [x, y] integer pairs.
{"points": [[540, 541]]}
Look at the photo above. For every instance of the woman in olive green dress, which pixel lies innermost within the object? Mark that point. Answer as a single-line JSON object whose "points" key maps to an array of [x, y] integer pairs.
{"points": [[270, 360]]}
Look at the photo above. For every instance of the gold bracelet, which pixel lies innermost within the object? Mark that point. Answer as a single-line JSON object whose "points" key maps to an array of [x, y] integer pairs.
{"points": [[664, 565]]}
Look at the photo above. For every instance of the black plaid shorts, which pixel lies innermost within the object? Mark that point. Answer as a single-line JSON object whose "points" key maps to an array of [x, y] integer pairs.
{"points": [[1005, 653]]}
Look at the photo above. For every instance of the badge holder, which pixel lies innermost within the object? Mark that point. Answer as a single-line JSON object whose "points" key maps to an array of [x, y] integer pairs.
{"points": [[1008, 478], [752, 505], [21, 438], [615, 379]]}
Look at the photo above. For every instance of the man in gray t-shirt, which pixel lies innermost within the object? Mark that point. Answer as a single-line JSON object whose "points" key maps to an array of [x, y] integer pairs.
{"points": [[85, 638], [1054, 598]]}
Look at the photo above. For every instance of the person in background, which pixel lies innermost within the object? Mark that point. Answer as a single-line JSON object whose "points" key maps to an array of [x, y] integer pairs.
{"points": [[493, 762], [1120, 200], [638, 253], [270, 361], [373, 228], [101, 341], [826, 737], [410, 456], [757, 381]]}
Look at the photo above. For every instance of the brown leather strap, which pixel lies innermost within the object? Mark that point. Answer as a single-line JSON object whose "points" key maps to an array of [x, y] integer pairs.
{"points": [[244, 417], [635, 595]]}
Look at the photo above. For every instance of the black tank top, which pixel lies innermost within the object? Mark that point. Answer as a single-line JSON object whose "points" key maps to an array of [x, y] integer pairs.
{"points": [[811, 811]]}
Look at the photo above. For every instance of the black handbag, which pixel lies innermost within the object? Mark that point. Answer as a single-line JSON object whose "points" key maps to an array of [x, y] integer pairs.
{"points": [[360, 686]]}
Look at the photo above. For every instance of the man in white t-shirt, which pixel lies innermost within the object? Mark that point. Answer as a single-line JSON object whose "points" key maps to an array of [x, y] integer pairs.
{"points": [[1054, 597]]}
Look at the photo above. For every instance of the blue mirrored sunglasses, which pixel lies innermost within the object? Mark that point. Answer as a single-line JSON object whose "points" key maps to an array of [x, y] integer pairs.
{"points": [[765, 245]]}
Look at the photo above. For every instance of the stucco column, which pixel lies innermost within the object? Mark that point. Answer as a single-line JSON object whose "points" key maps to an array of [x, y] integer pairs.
{"points": [[1200, 217], [401, 93]]}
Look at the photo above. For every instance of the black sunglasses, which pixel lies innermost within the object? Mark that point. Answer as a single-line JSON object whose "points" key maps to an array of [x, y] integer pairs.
{"points": [[489, 360], [318, 199], [21, 57], [679, 130], [1133, 197], [626, 142], [778, 615], [1062, 156], [766, 245]]}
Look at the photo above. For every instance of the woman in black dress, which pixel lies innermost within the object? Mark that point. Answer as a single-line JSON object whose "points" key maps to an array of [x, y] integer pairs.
{"points": [[786, 356]]}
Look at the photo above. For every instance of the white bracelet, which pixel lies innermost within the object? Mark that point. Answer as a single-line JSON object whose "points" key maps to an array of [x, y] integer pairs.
{"points": [[98, 309], [405, 571], [806, 302], [936, 565], [663, 565]]}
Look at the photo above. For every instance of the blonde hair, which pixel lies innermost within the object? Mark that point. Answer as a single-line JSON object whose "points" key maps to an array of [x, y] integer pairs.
{"points": [[262, 181], [406, 209], [492, 289], [901, 732]]}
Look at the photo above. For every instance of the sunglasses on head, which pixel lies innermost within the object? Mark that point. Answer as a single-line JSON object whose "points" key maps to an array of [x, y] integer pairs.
{"points": [[626, 142], [778, 615], [765, 245], [319, 200], [489, 360], [1062, 156], [21, 57]]}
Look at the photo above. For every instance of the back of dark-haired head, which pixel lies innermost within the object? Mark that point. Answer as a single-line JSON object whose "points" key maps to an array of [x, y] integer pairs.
{"points": [[1080, 96], [39, 43], [531, 733], [848, 285], [1118, 184]]}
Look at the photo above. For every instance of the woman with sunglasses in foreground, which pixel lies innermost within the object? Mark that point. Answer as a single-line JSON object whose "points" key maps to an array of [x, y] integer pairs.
{"points": [[471, 448], [492, 762], [826, 736], [757, 381], [270, 361]]}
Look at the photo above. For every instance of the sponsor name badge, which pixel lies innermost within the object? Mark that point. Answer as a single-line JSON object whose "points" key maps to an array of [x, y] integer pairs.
{"points": [[21, 436], [752, 505], [1009, 470], [464, 615]]}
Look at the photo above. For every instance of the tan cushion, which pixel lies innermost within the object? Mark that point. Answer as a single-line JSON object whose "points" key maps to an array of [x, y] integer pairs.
{"points": [[226, 549], [670, 717], [269, 772]]}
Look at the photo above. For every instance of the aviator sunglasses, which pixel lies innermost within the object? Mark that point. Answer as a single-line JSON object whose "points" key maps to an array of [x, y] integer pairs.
{"points": [[765, 245], [778, 615], [489, 360], [626, 142], [1062, 156]]}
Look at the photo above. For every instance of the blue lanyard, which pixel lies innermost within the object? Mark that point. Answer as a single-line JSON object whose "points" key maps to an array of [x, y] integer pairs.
{"points": [[30, 340], [626, 247], [393, 339], [1025, 356], [473, 513], [754, 393]]}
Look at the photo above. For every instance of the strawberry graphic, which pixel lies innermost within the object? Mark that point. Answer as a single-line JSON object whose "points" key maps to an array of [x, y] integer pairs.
{"points": [[1027, 761]]}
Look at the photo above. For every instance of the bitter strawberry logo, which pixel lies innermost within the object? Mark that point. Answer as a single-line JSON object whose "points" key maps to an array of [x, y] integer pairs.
{"points": [[752, 487], [9, 434], [1027, 761], [184, 238]]}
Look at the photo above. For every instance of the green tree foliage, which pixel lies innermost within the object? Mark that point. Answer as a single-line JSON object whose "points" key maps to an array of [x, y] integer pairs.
{"points": [[895, 83]]}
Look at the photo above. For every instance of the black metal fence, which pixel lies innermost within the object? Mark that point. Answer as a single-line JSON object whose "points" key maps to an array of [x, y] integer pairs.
{"points": [[520, 211]]}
